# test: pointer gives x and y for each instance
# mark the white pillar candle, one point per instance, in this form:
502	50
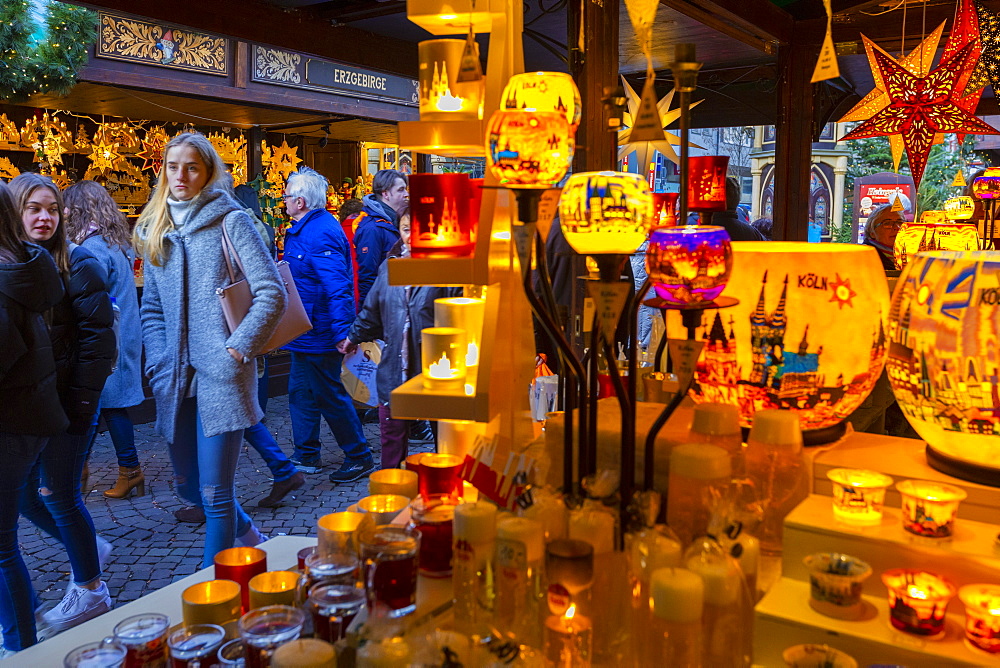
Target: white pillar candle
698	472
530	533
595	527
677	601
389	653
476	523
457	437
474	545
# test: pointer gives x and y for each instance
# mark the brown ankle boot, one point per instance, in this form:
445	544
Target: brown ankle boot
128	479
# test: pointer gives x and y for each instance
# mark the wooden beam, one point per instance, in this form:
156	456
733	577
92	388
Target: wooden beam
256	21
758	23
595	69
888	29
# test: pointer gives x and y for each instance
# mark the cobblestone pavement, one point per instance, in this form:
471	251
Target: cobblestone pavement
152	549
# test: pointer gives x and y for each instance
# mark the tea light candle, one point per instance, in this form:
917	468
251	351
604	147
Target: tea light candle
929	508
569	639
383	507
858	495
527	532
273	588
464	313
338	532
918	600
240	564
304	653
213	602
389	653
982	615
443	353
393	481
594	526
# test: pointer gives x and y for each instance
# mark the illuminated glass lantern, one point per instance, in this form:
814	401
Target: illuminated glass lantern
529	149
605	212
858	495
982	615
454	17
689	264
918	600
444	215
987	185
934	231
665	209
443	353
959	208
808	333
707	182
944	359
466	314
442	98
544	91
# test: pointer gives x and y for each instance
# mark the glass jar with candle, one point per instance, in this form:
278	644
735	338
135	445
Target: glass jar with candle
918	600
434	520
466	314
929	508
727	616
520	551
982	615
443	354
568	632
648	550
677	599
858	495
472	566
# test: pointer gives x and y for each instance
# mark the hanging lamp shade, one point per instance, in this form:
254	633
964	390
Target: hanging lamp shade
444	215
707	182
934	232
987	185
442	96
454	17
529	149
689	264
665	209
605	212
959	208
544	91
808	334
944	359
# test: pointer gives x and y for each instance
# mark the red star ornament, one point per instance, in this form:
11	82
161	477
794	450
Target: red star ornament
920	107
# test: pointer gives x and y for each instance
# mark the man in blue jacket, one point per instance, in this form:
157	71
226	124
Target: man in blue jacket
319	256
378	231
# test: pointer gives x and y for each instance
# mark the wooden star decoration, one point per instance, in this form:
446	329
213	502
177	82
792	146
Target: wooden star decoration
645	150
285	159
105	157
920	107
151	153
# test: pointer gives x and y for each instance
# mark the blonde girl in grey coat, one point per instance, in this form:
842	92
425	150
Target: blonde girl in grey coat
201	374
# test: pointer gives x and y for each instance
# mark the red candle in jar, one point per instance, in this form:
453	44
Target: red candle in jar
438	475
240	564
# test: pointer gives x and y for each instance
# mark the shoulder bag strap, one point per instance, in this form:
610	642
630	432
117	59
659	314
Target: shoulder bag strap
229	250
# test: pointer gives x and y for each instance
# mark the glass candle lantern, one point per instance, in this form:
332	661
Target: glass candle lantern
817	656
568	632
665	209
982	615
466	314
689	264
987	185
383	507
918	600
443	354
442	96
808	334
393	481
529	149
213	602
439	475
605	212
273	588
858	495
933	233
959	208
443	217
929	508
944	325
835	583
707	182
544	91
338	532
240	564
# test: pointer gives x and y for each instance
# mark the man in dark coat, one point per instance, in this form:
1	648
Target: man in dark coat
318	254
730	219
378	230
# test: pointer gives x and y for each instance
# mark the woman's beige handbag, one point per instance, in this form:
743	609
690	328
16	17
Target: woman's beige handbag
236	299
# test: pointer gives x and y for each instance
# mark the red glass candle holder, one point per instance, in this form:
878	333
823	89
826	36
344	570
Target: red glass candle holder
434	519
438	476
240	564
918	600
707	182
665	209
982	616
390	555
442	217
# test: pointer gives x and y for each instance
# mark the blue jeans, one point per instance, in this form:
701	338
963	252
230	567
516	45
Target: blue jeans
260	439
314	389
17	599
122	436
205	475
59	510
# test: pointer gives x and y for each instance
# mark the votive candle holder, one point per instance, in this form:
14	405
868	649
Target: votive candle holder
273	588
214	602
338	532
439	475
393	481
929	508
835	583
858	495
383	507
443	354
982	615
918	600
240	564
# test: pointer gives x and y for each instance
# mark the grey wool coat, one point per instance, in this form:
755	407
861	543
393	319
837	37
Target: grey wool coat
183	326
124	386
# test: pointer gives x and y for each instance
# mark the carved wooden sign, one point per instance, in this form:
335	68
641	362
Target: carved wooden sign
150	43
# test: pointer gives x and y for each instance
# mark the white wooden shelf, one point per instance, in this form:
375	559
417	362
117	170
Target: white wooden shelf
412	401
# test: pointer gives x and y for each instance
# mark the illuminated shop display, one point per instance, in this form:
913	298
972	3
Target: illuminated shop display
605	212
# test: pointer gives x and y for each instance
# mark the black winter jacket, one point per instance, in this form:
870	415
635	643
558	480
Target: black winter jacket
29	402
82	339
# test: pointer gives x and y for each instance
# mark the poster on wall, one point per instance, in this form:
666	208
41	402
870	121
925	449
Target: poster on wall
870	192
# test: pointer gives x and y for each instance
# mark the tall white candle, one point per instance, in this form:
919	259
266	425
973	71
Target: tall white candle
474	545
677	601
530	533
475	523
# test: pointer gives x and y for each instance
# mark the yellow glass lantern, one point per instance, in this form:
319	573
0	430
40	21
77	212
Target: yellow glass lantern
443	354
959	208
442	97
466	314
544	91
605	212
529	149
934	232
808	333
944	359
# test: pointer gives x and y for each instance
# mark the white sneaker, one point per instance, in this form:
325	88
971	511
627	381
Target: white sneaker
6	653
252	538
104	549
78	605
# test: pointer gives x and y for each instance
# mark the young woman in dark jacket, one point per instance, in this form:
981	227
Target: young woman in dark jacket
30	411
84	347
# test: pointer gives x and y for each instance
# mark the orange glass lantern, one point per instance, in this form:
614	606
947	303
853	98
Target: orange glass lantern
944	328
707	182
529	149
934	232
982	616
665	209
444	215
605	212
689	264
808	334
442	97
918	600
544	91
